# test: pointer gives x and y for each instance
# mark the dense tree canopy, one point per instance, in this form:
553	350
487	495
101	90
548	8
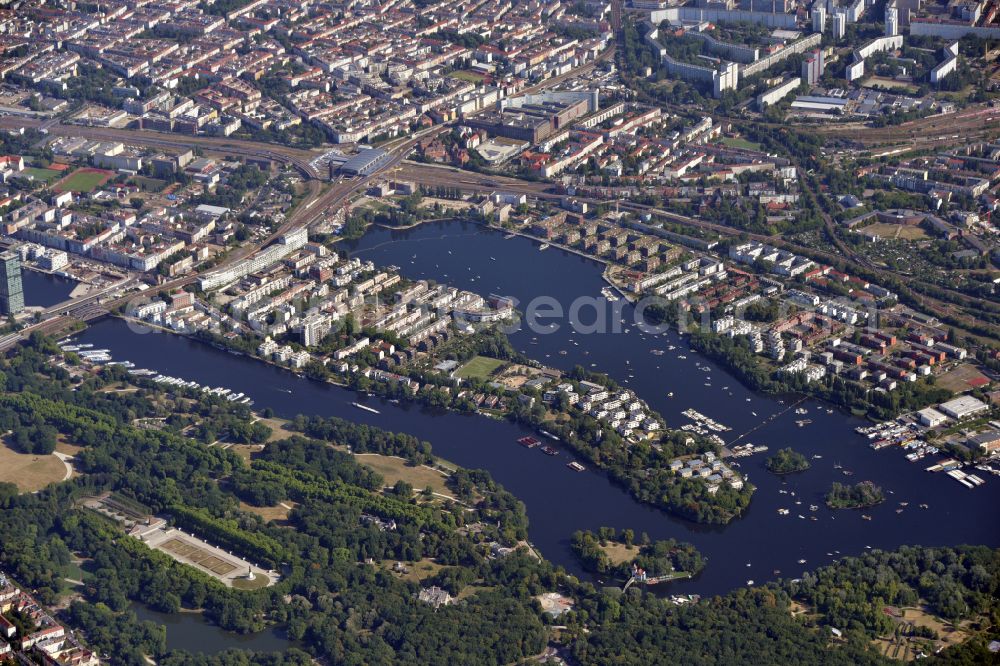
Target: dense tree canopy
339	596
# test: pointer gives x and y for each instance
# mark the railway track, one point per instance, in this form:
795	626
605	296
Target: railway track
478	182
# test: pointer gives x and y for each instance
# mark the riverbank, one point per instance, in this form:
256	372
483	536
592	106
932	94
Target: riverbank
560	500
221	344
44	289
751	372
645	472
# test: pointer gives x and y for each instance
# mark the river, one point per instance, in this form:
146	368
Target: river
559	500
43	289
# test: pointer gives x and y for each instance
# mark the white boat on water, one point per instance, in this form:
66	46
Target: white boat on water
366	408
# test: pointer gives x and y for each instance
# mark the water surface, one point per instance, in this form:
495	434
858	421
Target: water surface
559	500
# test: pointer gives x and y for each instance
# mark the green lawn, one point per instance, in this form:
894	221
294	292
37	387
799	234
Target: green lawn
45	175
72	570
479	367
877	82
375	205
83	181
465	75
734	142
149	184
259	581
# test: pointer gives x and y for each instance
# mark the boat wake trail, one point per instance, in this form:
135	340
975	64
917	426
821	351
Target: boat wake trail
411	240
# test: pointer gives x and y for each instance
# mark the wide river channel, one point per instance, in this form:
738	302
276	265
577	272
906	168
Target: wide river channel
559	500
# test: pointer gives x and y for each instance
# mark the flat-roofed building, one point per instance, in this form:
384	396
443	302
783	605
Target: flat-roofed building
931	417
366	162
985	442
963	406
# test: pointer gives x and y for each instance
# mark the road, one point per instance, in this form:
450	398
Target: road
471	181
317	202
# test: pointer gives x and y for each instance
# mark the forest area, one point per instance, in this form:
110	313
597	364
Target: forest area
338	600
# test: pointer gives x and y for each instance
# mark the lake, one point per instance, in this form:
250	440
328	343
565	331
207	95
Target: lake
190	631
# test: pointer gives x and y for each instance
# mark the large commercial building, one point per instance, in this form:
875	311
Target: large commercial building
725	78
931	417
819	17
314	328
891	20
743	53
11	290
535	117
856	69
518	126
985	442
963	406
947	29
694	14
947	66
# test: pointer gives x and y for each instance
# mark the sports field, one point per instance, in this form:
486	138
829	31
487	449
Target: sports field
466	75
895	231
479	367
962	378
735	142
84	180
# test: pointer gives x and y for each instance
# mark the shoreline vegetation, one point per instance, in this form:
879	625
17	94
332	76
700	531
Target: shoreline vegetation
735	356
787	461
620	554
642	469
350	549
861	495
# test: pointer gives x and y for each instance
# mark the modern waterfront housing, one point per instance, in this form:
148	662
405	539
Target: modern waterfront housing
287	244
